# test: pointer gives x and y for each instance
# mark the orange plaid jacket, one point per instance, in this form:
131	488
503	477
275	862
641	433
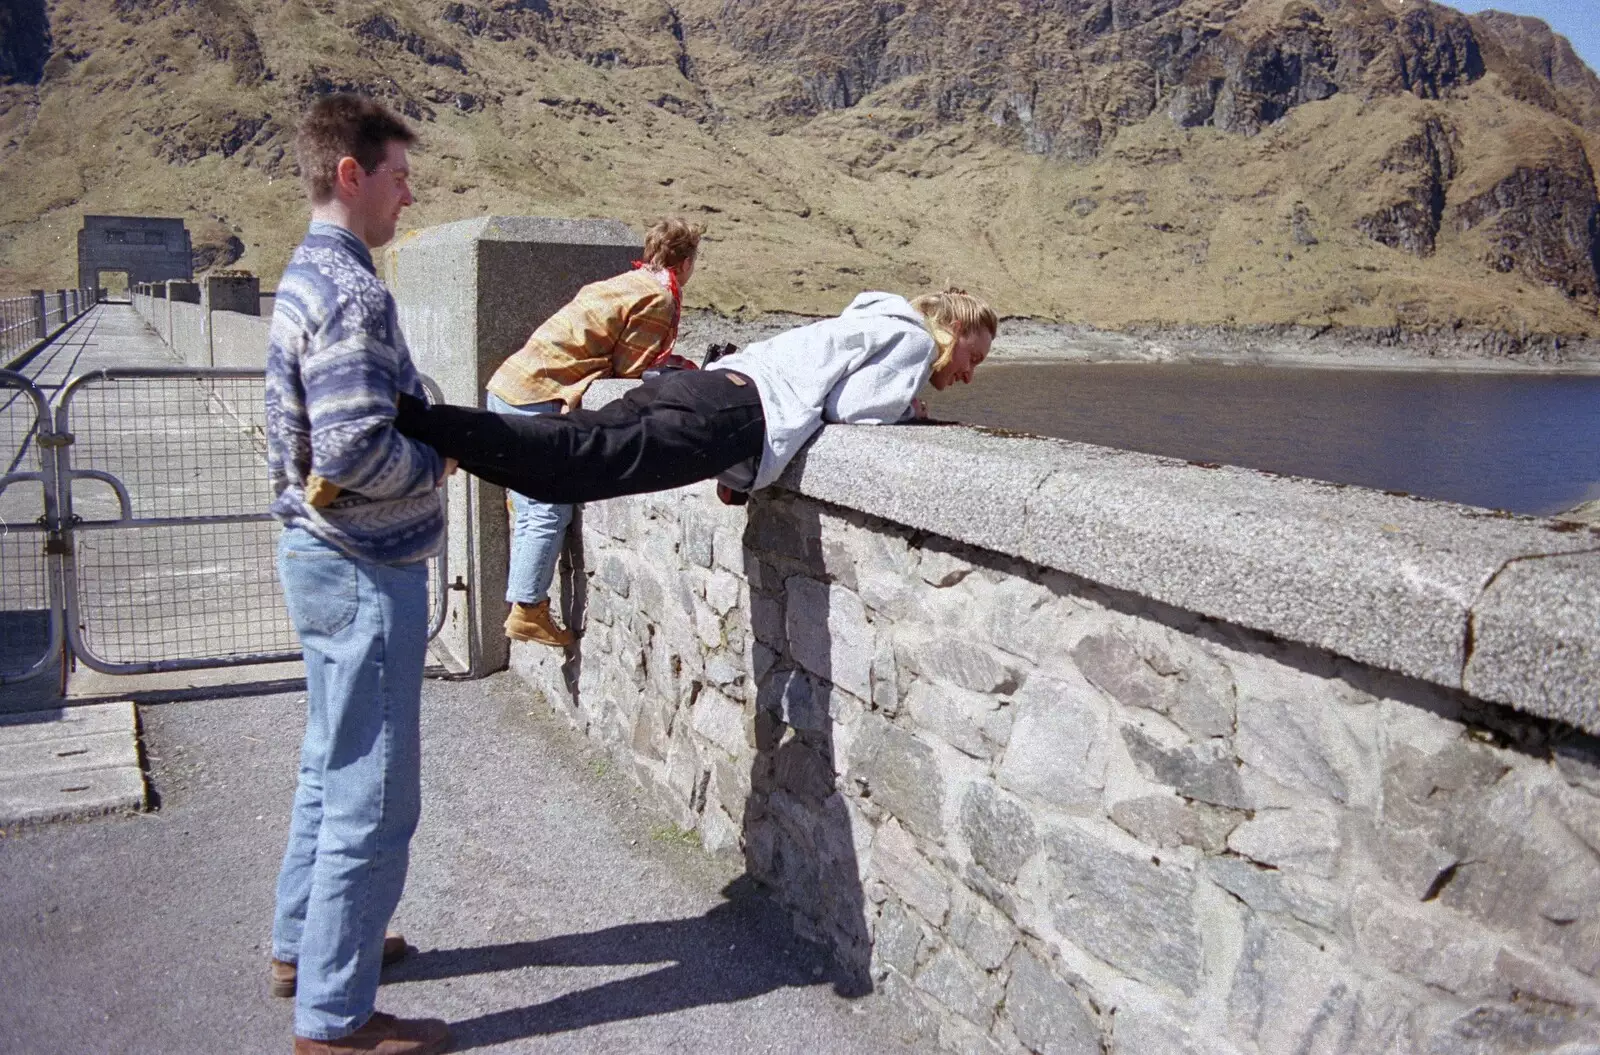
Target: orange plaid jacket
613	328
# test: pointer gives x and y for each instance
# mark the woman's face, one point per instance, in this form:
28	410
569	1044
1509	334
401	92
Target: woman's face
971	349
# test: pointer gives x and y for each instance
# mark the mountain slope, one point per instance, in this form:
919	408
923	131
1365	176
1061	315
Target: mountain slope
1109	161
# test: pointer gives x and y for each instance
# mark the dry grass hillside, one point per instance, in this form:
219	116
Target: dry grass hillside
1105	161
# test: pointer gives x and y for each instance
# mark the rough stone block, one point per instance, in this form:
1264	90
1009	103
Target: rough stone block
1578	757
1305	840
1193	689
900	774
1311	745
1057	751
973	723
718	832
722	722
898	939
1144	1025
980	930
963	664
960	1037
1269	890
897	863
1290	995
803	769
1495	1029
796	700
1526	871
1130	909
1044	1011
1000	832
953	981
723	591
1205	771
1027	620
829	635
885	678
1167	821
767	620
1425	790
1427	943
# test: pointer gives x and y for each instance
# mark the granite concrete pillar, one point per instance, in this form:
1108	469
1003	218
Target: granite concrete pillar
236	293
469	293
240	293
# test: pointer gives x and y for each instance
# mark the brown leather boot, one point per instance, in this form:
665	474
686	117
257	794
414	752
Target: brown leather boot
285	974
384	1035
533	622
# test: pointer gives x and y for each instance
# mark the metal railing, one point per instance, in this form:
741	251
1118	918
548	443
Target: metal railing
26	321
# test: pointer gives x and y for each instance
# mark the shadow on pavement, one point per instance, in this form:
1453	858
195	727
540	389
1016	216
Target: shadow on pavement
702	958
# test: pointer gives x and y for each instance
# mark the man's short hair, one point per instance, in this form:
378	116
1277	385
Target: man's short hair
671	241
341	126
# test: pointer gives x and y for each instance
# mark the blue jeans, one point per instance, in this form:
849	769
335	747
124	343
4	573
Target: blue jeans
537	528
364	630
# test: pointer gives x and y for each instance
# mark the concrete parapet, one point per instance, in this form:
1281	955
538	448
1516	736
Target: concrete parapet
184	292
469	294
1071	749
190	335
239	340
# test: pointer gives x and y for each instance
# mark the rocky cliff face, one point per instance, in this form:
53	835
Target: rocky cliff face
24	41
1363	161
1539	66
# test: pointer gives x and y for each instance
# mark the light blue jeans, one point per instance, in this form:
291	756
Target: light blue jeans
537	528
364	630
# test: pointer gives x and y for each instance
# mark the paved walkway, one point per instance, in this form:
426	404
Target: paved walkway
552	913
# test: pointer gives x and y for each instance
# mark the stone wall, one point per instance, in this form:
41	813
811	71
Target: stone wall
1045	812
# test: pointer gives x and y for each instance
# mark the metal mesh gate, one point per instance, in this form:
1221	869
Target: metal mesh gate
184	573
30	624
173	565
161	555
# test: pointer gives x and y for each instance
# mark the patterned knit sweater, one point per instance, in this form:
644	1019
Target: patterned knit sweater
336	361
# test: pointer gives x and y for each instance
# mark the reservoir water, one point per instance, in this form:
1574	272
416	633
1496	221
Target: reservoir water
1528	444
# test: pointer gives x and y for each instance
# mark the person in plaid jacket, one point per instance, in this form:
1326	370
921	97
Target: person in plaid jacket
618	327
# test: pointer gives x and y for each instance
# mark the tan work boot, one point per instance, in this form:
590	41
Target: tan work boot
533	622
384	1035
284	975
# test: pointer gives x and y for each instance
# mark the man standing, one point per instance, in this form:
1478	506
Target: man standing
361	514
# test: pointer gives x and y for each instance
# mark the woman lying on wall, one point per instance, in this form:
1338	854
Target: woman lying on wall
744	417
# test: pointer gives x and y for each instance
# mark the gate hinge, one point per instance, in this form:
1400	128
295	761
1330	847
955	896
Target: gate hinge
54	439
57	547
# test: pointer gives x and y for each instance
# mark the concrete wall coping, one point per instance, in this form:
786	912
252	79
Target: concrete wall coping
543	230
1506	608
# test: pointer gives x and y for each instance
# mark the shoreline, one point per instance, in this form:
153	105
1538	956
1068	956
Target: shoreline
1032	342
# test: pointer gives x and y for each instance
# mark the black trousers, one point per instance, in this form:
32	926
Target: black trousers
675	429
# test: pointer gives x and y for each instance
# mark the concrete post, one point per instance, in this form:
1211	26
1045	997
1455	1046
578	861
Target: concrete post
236	293
469	293
42	328
240	293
